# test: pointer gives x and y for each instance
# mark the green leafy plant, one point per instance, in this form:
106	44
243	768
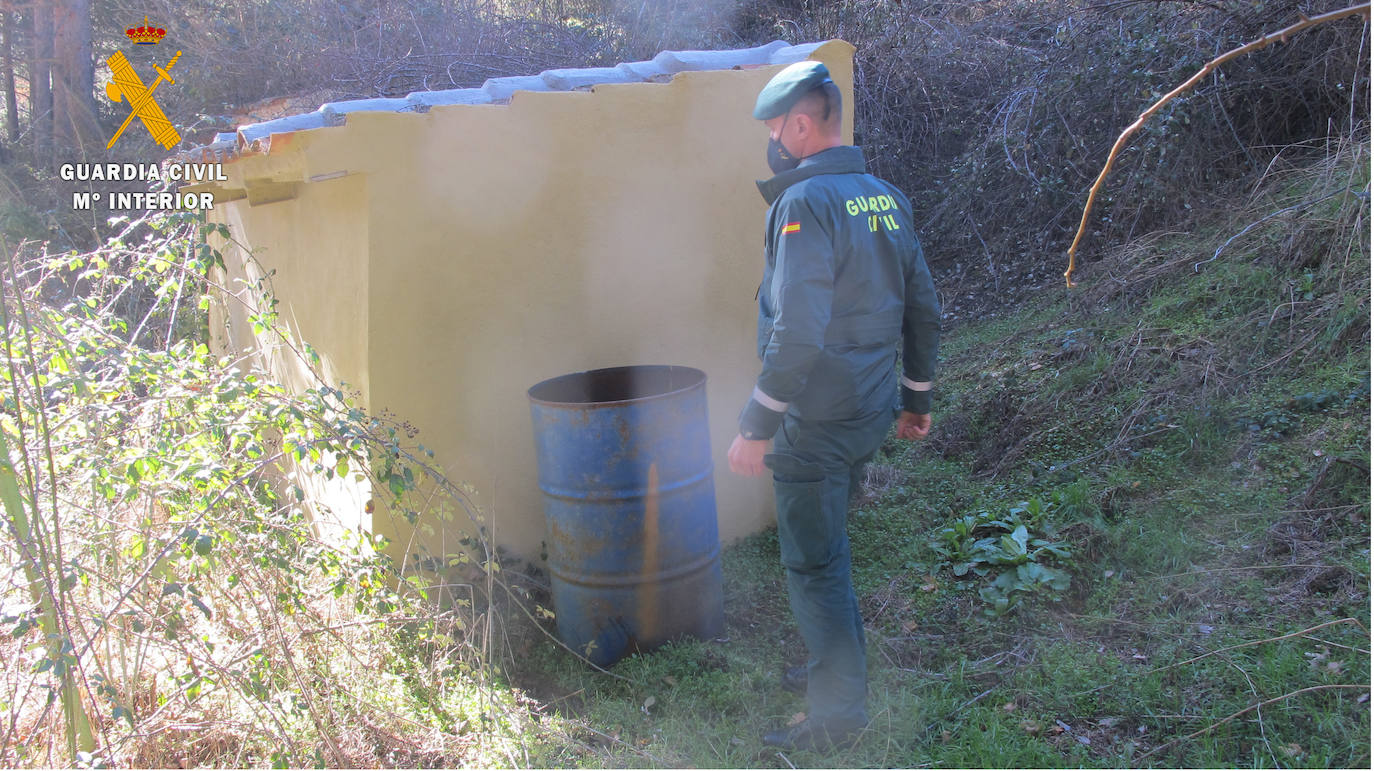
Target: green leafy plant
1001	547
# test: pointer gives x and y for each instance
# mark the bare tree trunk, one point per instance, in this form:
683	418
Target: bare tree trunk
7	73
73	75
40	88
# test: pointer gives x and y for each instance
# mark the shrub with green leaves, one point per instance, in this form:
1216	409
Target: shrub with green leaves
1002	548
164	569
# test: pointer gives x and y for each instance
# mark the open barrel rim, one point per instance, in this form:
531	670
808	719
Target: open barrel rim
698	380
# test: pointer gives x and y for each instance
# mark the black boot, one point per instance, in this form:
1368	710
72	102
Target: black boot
814	736
794	680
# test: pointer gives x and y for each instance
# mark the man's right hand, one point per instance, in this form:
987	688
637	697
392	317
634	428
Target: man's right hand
912	426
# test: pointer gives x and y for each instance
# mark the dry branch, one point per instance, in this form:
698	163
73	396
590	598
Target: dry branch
1255	706
1280	36
1250	644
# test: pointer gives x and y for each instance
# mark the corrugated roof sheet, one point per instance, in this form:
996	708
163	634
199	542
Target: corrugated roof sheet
254	137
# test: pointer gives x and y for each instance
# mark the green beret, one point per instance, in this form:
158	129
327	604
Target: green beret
787	87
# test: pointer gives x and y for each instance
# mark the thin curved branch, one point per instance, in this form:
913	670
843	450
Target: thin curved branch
1255	706
1280	36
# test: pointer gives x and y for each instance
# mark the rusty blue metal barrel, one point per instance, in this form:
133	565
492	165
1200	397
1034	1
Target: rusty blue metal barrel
624	461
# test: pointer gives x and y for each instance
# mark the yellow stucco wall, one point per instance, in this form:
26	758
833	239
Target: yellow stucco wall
311	252
473	251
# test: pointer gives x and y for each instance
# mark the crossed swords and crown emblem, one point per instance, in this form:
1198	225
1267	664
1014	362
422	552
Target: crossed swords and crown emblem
128	86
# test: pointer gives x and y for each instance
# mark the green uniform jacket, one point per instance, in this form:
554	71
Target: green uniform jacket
843	283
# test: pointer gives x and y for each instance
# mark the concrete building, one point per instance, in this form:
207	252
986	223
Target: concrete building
444	252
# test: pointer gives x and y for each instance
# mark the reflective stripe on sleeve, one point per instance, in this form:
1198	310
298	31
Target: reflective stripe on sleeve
768	401
923	385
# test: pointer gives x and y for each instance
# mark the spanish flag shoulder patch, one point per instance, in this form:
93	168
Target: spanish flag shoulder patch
791	227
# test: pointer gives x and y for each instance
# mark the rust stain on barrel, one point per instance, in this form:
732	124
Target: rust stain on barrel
648	595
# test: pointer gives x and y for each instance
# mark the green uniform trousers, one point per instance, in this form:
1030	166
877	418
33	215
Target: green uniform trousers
817	466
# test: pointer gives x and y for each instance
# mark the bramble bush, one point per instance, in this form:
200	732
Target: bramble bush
169	598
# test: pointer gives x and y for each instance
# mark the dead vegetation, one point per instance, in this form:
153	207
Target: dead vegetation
1288	291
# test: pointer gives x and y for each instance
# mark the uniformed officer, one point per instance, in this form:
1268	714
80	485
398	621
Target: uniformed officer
844	282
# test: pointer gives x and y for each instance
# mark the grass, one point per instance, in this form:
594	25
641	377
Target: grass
1215	500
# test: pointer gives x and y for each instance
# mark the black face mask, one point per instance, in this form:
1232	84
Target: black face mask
779	159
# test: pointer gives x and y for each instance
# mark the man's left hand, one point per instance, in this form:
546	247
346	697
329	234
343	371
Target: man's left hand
746	456
913	426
